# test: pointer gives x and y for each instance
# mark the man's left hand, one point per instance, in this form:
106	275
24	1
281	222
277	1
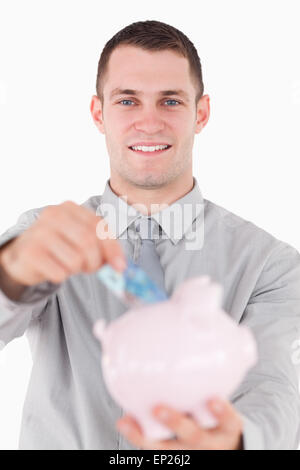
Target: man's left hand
189	434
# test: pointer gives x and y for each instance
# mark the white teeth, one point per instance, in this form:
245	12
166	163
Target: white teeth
150	149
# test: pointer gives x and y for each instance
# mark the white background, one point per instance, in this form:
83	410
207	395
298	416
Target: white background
246	159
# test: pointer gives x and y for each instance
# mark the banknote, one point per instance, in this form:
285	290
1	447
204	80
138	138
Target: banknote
133	286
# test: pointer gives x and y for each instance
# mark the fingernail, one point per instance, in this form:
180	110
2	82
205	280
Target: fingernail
119	263
217	406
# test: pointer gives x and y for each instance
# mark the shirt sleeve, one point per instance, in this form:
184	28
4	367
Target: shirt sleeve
16	315
268	399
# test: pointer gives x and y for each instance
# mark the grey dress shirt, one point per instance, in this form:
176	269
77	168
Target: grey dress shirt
67	405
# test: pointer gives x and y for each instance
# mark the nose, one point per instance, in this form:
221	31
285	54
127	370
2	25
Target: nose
149	121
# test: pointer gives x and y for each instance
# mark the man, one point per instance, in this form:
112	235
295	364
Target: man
149	93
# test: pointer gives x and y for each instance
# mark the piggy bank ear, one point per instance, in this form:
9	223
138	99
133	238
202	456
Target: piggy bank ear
199	294
183	291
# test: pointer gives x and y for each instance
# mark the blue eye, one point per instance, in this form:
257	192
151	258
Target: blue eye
175	101
125	100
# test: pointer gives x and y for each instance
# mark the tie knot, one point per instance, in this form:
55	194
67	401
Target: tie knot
147	227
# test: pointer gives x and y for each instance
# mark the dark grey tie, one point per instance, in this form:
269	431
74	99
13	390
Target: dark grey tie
148	258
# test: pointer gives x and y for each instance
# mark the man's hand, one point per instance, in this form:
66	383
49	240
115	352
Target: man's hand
66	239
226	436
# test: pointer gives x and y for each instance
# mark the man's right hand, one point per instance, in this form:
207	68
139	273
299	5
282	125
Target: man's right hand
63	241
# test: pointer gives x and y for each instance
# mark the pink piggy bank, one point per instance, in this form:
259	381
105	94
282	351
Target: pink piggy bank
179	352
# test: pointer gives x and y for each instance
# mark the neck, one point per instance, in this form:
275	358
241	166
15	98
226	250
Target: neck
144	198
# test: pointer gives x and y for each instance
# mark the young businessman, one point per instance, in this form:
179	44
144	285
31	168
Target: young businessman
149	105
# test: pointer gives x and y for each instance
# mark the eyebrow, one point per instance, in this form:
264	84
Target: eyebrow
127	91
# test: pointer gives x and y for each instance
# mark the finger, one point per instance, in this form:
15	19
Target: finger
69	226
133	432
129	427
173	444
110	248
50	270
183	426
72	211
229	420
81	213
65	254
81	233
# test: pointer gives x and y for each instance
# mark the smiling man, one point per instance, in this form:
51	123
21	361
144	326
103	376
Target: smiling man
149	106
149	99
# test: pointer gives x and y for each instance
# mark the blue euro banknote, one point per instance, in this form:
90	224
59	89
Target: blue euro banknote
133	286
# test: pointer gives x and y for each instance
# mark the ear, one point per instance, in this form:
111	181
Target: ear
203	112
97	113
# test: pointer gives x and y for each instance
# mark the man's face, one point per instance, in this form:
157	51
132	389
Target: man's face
149	116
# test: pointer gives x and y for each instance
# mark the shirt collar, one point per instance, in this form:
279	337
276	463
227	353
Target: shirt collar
175	220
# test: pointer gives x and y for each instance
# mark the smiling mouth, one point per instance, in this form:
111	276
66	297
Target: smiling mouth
150	153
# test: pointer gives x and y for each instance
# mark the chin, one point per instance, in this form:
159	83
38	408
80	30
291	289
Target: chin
150	181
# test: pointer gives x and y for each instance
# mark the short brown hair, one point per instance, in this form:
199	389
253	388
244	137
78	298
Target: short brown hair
152	36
